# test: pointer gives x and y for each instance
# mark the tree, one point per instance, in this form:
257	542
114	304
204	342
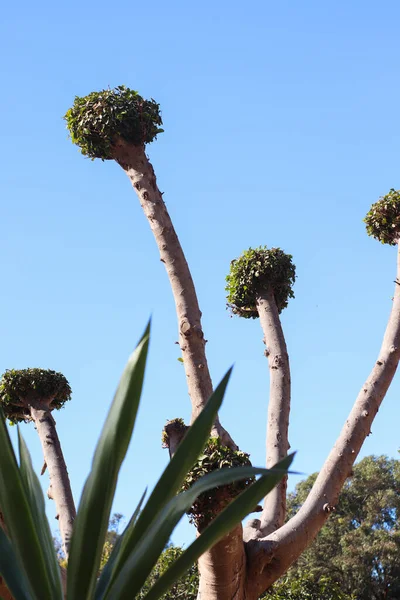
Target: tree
32	395
116	125
28	560
359	547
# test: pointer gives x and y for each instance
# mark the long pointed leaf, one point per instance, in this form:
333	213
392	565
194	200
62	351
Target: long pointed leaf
109	566
235	512
20	520
172	478
11	571
91	522
36	501
139	564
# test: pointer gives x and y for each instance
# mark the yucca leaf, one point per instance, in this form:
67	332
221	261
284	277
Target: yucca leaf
91	522
235	512
173	476
11	570
36	501
20	520
108	568
145	555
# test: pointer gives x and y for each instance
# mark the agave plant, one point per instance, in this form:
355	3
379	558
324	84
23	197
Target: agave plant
28	561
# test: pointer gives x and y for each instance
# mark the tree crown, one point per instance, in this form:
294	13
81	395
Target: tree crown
256	271
383	218
20	387
95	121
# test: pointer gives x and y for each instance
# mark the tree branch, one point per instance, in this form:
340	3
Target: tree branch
60	488
136	165
280	549
274	511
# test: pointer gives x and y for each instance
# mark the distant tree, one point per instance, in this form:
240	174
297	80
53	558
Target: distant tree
359	547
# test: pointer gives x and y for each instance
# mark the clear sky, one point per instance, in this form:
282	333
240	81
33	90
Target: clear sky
281	128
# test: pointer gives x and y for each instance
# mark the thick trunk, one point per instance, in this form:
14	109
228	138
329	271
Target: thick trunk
60	488
274	511
223	569
273	555
191	338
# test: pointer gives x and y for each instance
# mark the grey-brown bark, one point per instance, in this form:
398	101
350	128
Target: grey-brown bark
136	165
277	445
60	488
223	569
271	556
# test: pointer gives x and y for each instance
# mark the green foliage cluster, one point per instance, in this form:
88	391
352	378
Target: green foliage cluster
359	546
96	120
20	387
383	219
256	271
185	588
305	588
215	457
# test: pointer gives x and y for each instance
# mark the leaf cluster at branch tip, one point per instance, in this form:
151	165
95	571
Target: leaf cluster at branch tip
383	218
214	457
18	388
95	121
255	271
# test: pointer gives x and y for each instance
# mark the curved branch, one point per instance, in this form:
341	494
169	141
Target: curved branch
60	487
274	511
280	549
137	167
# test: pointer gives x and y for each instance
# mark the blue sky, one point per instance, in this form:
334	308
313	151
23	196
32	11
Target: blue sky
281	128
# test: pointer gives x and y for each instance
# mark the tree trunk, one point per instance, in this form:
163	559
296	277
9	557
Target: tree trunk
136	165
274	511
60	488
223	569
272	556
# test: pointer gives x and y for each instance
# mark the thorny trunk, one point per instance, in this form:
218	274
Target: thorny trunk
60	488
274	511
271	556
191	338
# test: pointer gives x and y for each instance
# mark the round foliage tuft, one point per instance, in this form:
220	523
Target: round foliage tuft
209	504
259	270
383	219
96	120
21	388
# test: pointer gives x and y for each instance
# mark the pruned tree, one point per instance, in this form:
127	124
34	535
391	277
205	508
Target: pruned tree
116	125
32	395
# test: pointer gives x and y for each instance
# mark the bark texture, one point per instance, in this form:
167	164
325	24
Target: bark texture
274	510
60	487
271	556
138	168
223	569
